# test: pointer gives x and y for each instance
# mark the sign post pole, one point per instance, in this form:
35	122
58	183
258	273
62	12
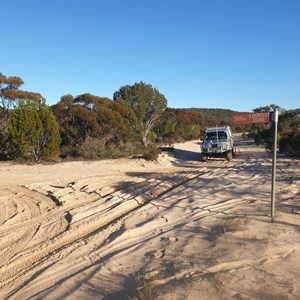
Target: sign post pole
275	122
259	118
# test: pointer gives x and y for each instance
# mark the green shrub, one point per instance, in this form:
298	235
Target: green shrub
290	143
151	152
34	131
92	149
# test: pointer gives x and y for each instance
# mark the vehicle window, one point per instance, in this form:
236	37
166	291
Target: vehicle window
222	135
216	135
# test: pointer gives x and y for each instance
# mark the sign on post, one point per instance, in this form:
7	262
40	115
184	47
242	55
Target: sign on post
250	118
262	118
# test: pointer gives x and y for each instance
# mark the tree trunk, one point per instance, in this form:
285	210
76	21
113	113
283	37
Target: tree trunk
145	140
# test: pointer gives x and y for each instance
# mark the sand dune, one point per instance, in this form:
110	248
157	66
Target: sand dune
192	230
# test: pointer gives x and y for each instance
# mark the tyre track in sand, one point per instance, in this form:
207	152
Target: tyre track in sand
107	210
119	204
162	193
83	209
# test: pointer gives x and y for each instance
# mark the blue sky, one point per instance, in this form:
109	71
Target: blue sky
238	54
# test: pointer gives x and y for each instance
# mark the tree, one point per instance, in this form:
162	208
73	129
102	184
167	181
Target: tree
34	131
67	99
179	124
87	120
9	97
10	93
147	103
76	122
289	132
269	108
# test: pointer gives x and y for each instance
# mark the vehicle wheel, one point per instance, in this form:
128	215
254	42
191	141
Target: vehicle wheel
229	155
233	152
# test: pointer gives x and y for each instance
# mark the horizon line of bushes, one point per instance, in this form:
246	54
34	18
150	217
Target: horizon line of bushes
135	122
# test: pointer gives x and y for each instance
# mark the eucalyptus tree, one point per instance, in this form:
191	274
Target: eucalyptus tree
10	95
91	117
146	102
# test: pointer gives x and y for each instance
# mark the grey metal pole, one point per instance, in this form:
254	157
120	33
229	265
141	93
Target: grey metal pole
275	122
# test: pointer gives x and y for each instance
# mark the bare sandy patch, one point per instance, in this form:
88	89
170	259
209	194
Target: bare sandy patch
190	230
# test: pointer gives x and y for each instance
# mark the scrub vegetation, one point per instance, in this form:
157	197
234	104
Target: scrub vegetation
137	121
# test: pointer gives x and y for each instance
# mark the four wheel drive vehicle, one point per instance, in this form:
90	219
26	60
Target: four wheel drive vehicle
217	142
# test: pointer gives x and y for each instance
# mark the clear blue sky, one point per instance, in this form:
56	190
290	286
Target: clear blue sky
219	54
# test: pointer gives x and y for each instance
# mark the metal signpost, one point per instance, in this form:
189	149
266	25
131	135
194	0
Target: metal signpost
263	117
275	122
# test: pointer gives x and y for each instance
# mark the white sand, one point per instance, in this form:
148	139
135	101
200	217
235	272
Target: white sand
94	230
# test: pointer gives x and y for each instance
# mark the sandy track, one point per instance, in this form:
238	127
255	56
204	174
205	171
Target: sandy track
85	230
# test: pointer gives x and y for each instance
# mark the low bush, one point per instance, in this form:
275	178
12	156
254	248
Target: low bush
92	149
290	143
151	152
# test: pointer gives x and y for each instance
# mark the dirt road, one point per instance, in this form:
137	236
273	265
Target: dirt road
179	227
